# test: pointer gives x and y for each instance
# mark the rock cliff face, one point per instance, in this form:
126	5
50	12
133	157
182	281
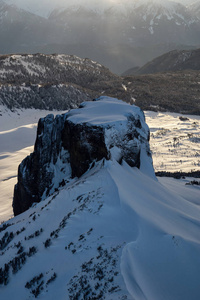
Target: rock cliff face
68	145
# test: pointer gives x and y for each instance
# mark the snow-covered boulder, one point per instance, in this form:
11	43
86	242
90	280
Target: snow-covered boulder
70	144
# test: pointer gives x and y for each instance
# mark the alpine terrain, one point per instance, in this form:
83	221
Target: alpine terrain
97	224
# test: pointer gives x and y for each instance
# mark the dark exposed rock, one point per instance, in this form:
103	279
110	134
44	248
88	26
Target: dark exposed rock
181	118
178	175
85	143
36	171
67	146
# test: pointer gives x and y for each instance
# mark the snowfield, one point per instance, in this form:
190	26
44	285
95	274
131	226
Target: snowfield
175	141
116	232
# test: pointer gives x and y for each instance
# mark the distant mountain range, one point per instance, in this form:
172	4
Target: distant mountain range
119	36
45	7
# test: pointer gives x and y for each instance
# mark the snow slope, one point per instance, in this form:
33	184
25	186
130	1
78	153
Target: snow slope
115	233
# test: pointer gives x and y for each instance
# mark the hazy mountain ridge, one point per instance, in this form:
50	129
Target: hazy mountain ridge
46	7
176	60
195	8
140	22
21	29
117	35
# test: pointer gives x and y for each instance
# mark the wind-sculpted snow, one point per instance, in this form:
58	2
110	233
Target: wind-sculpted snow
67	146
113	233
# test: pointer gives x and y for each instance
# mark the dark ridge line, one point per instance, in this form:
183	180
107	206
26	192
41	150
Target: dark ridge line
178	175
9	178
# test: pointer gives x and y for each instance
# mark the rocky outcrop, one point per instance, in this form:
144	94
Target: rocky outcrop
68	145
36	171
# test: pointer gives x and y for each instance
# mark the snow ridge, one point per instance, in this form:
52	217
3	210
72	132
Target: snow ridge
115	232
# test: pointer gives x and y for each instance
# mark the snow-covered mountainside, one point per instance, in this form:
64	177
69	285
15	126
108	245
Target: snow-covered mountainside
20	27
12	13
37	68
195	8
143	21
45	7
49	81
113	233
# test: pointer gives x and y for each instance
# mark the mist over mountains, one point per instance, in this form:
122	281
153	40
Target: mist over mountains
45	7
118	35
173	61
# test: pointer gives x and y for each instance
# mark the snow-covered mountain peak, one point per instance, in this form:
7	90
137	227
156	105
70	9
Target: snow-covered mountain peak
159	9
195	8
166	3
46	7
6	9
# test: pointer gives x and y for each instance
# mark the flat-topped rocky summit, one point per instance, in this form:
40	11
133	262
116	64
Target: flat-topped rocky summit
68	145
